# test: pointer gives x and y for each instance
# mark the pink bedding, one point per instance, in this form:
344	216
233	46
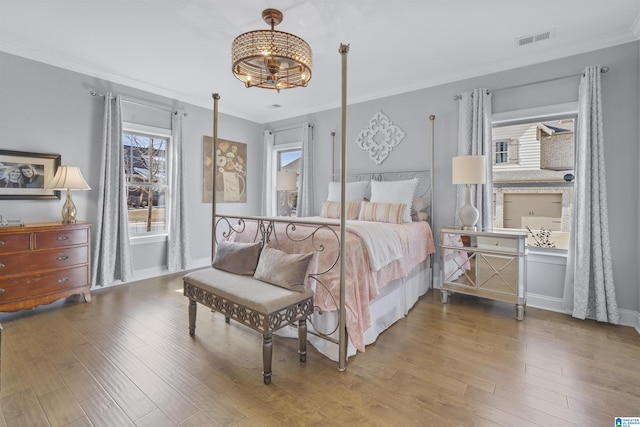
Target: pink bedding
362	284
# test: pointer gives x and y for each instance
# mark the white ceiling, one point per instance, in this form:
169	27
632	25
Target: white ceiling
182	48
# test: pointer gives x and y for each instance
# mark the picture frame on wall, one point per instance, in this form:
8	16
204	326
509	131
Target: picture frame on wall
25	175
231	171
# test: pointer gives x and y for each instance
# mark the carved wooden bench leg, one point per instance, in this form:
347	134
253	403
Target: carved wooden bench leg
302	339
267	350
193	309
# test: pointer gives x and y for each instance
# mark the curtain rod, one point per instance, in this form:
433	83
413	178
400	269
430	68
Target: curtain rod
130	101
291	128
602	70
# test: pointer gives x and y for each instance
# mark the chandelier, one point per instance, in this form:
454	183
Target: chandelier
271	59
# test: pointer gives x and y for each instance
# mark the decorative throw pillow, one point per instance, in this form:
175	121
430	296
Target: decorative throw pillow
419	209
282	269
354	192
332	209
395	192
235	257
382	212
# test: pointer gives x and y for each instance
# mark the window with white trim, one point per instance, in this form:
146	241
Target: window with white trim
147	180
287	158
533	173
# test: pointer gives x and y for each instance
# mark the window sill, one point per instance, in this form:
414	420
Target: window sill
144	240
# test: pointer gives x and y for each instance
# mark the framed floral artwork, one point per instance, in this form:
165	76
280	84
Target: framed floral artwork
230	169
25	175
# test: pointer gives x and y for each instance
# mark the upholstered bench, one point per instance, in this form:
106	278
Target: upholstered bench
262	306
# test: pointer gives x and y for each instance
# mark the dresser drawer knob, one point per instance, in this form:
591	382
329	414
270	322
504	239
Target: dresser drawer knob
2	243
62	257
1	291
1	265
63	280
61	238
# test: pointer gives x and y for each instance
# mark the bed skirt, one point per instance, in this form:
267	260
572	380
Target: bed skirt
392	304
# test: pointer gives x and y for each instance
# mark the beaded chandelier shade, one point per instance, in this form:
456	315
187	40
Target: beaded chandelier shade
271	59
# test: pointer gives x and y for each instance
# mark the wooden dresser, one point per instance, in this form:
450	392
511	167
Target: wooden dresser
43	262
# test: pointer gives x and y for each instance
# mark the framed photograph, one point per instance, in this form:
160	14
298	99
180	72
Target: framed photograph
25	175
231	171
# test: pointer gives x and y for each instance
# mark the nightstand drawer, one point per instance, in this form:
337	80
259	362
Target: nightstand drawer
29	286
14	243
497	243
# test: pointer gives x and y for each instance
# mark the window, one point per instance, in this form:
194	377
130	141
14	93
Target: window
533	175
288	159
501	152
145	163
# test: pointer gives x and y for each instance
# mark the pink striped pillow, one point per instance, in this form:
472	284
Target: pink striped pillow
382	212
332	209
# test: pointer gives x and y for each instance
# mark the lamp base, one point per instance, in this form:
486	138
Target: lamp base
69	210
468	214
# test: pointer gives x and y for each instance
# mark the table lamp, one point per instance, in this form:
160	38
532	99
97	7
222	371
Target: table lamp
68	178
286	181
467	170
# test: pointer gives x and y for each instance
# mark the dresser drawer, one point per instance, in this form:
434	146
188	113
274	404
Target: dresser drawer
43	260
35	285
14	242
60	238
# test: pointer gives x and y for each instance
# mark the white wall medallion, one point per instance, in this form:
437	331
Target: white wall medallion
379	137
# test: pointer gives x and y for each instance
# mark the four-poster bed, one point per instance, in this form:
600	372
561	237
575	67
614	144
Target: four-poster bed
356	295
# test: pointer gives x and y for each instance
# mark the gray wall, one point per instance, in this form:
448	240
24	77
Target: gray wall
46	109
410	111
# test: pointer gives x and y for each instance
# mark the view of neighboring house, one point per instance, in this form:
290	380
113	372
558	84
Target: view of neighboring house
533	177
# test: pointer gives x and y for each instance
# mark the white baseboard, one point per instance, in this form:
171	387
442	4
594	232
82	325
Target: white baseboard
627	317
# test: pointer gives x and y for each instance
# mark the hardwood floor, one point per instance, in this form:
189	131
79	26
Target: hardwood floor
127	359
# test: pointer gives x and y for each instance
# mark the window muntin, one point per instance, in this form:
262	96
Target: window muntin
146	175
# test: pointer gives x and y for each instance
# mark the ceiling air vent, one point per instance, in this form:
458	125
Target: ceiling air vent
545	35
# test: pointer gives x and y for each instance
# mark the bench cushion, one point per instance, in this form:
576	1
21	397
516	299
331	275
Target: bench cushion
245	290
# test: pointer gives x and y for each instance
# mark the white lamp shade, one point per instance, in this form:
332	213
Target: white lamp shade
469	170
68	178
286	181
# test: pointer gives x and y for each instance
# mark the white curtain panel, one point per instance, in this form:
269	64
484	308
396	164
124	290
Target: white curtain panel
112	255
304	206
269	203
588	289
474	138
178	243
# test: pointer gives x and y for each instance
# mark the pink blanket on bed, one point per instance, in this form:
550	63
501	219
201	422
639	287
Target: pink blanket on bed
362	284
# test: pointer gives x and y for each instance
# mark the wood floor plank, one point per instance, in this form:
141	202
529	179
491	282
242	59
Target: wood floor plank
173	405
121	389
60	407
104	412
22	409
156	418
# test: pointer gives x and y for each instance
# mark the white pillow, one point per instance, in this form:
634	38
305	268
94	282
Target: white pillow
395	192
355	191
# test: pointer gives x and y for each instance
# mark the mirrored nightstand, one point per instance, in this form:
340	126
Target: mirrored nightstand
490	264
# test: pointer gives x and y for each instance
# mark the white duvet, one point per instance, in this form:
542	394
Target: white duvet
382	242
